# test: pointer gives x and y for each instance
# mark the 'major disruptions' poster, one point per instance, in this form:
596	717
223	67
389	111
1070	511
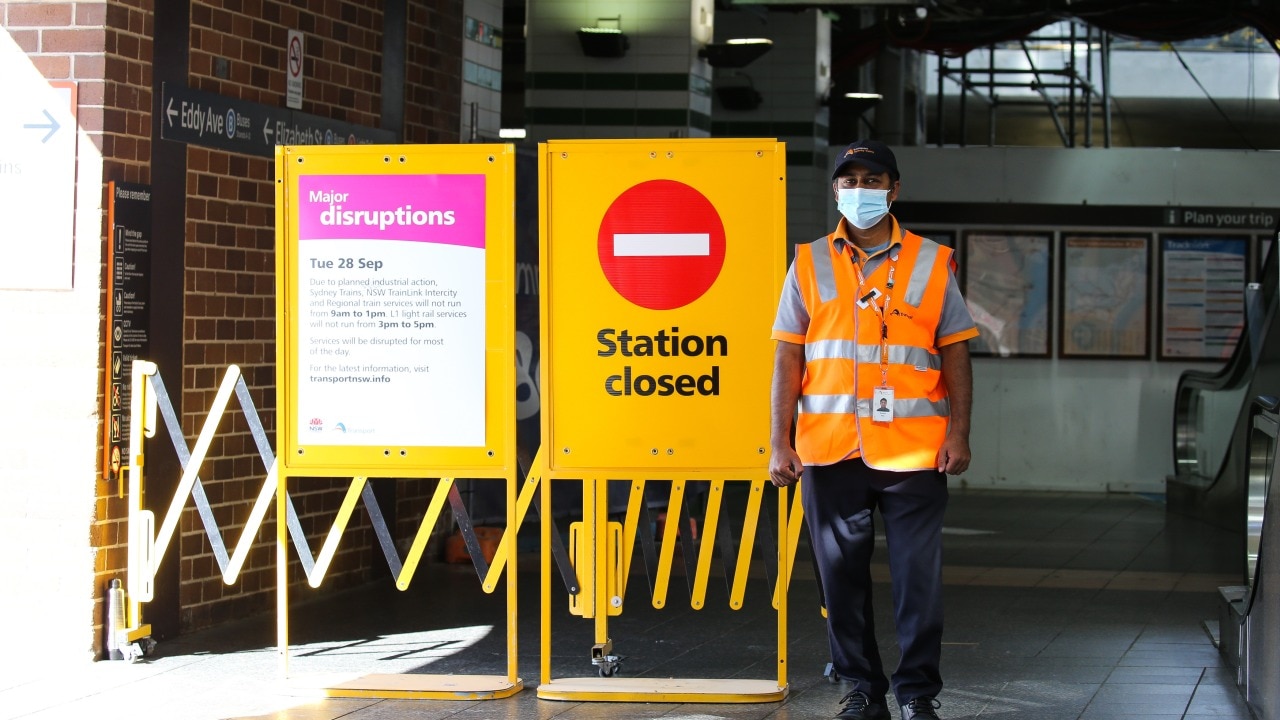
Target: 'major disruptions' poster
391	310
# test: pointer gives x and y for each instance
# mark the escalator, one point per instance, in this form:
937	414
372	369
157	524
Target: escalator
1225	430
1212	411
1249	631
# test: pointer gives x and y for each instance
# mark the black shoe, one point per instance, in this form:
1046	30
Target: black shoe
857	706
921	708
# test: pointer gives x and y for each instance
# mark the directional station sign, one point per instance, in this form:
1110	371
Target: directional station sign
211	120
662	263
37	175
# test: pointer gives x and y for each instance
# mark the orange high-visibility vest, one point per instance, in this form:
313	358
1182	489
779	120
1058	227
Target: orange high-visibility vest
843	349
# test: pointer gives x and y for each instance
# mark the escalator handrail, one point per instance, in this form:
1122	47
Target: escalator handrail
1269	406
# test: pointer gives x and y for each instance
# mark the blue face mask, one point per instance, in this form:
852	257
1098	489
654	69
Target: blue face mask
862	207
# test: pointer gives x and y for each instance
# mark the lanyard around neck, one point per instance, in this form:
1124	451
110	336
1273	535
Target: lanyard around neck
881	310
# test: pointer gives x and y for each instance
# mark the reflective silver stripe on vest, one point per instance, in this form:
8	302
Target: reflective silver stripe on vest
913	408
918	358
829	350
820	250
919	281
829	404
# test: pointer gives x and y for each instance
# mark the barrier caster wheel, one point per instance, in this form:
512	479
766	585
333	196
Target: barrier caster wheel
608	666
137	650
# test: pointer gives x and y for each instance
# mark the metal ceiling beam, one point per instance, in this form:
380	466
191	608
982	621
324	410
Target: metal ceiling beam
1072	81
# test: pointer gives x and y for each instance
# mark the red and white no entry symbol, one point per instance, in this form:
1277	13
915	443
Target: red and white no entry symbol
295	56
661	244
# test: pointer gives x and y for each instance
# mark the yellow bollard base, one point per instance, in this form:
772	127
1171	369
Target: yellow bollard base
680	690
413	685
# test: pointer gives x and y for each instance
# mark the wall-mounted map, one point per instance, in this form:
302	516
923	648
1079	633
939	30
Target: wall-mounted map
1106	282
1007	286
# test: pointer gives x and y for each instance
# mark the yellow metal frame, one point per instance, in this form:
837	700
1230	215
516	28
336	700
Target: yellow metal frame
413	685
140	575
585	365
147	546
597	575
497	164
744	183
496	460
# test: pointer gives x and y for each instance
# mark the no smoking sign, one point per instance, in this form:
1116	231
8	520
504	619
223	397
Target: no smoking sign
294	54
661	244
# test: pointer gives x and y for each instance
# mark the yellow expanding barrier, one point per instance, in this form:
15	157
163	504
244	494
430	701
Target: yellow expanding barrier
600	564
407	685
147	546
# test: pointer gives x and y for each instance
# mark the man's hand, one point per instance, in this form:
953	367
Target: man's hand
785	467
788	366
957	373
953	456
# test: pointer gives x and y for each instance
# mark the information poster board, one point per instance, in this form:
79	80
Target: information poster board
128	310
1106	283
1202	296
662	264
397	307
1007	286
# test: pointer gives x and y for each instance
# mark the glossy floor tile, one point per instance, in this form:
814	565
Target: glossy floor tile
1059	605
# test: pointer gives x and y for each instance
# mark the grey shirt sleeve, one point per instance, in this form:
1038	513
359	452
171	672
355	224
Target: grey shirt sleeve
793	316
955	313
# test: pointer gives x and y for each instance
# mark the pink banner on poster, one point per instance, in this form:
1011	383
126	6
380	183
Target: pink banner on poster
445	209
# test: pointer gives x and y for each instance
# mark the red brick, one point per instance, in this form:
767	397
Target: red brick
45	14
129	46
90	118
113	121
73	41
91	92
117	16
93	14
53	67
27	40
89	67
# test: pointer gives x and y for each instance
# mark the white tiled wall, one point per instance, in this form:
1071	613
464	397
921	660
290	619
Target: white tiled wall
664	37
792	77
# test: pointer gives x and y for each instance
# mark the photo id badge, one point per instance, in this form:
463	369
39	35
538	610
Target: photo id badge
865	301
882	405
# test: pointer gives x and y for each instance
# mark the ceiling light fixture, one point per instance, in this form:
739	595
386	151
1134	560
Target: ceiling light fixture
735	53
604	41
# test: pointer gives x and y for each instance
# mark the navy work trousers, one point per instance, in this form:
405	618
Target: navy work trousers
838	504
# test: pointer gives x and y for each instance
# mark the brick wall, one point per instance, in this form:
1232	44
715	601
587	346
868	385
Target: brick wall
433	73
230	263
67	564
228	300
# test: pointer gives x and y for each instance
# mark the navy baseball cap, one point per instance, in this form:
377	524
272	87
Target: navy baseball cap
871	154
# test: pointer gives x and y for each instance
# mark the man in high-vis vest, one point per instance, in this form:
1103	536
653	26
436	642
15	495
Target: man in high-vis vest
872	352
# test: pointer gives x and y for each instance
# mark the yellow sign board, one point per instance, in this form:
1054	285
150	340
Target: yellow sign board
662	265
395	309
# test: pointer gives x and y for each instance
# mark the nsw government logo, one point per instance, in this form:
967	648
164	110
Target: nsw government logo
317	425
